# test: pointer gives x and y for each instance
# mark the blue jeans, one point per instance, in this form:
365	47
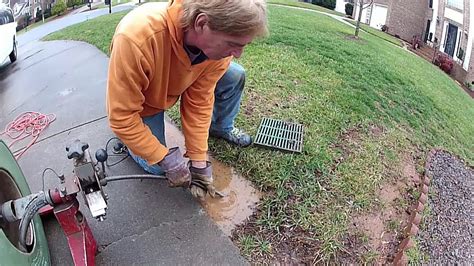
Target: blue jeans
228	94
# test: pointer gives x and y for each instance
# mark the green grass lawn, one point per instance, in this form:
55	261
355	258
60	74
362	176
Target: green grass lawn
365	106
296	3
376	32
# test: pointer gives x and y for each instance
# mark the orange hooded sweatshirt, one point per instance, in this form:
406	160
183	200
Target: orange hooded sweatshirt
149	70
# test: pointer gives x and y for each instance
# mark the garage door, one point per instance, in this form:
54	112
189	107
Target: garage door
379	16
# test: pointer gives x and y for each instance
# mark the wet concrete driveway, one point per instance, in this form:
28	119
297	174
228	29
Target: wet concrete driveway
147	222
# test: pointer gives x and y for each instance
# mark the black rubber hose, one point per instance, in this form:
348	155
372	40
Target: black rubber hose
33	207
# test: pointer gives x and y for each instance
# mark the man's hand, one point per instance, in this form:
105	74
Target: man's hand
176	170
201	180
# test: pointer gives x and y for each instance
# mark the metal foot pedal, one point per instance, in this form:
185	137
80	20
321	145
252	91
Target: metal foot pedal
281	135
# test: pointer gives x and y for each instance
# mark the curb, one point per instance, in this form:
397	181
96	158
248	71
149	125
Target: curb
416	211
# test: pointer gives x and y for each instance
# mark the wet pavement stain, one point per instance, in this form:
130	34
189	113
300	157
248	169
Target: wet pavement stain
67	91
241	197
240	201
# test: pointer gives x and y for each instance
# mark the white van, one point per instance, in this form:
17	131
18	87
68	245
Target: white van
7	34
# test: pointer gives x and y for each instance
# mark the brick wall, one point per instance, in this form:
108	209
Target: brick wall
408	18
458	73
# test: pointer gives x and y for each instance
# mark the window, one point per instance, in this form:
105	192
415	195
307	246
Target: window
458	4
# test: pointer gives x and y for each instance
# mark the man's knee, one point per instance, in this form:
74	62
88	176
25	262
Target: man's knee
236	72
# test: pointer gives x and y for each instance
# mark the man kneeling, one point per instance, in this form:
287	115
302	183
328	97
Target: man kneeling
183	51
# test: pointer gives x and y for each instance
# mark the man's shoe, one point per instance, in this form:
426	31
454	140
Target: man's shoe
235	136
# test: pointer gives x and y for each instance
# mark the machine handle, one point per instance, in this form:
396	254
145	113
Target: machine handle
76	149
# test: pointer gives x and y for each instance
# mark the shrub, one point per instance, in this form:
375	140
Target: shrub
47	13
74	3
39	15
58	8
469	85
349	9
331	4
444	62
21	22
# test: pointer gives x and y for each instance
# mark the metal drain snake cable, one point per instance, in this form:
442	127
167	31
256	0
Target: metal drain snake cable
104	182
131	177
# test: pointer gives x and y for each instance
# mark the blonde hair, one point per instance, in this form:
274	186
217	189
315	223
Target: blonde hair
233	17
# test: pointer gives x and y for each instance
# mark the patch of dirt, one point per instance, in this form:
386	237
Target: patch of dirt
372	237
376	130
351	37
375	236
409	170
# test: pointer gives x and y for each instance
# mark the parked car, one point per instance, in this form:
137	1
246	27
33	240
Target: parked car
8	43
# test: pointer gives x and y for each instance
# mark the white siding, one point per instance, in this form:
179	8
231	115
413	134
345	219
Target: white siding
443	37
454	15
341	6
434	19
379	16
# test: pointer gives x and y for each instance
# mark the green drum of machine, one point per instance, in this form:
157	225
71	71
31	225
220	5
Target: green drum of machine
13	185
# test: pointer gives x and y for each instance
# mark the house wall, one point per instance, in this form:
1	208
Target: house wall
459	73
463	70
408	18
366	11
405	18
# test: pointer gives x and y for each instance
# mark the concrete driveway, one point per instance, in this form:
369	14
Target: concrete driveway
147	222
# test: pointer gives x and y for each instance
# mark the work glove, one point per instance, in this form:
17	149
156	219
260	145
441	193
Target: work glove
175	168
201	181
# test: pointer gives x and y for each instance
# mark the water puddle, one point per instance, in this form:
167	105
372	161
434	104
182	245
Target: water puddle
241	199
239	203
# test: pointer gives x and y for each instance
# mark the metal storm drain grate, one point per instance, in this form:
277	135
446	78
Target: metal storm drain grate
280	135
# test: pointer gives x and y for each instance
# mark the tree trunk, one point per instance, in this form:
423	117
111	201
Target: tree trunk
42	9
359	17
32	9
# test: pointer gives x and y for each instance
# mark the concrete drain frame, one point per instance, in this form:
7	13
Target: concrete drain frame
281	135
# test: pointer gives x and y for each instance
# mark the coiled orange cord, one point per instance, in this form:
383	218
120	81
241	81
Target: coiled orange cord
28	124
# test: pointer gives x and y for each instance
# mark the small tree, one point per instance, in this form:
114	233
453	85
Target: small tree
363	4
59	8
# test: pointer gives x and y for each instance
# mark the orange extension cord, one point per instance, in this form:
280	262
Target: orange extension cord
28	124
